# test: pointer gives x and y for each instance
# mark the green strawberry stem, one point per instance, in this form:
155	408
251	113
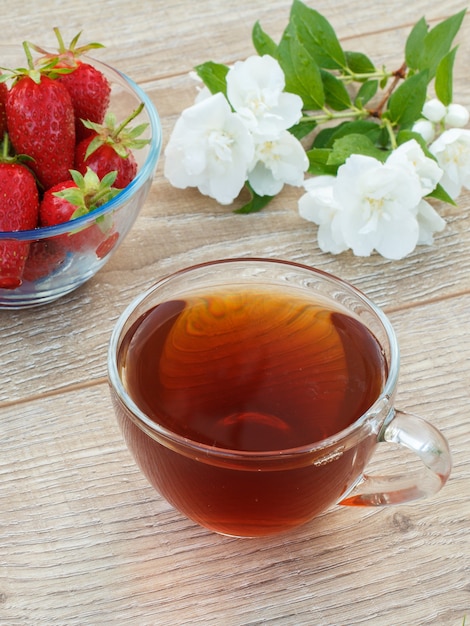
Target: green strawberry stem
128	120
120	137
72	48
5	148
32	72
89	191
8	155
65	54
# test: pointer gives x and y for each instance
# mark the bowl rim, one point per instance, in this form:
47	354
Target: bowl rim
144	172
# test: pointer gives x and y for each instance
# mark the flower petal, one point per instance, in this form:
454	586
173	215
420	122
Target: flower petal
277	162
429	222
452	151
210	148
255	90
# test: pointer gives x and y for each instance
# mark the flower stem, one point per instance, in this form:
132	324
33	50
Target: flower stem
364	76
327	116
398	75
389	128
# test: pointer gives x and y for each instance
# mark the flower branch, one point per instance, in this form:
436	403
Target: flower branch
377	145
398	75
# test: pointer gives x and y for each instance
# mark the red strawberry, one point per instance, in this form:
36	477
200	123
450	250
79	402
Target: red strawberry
19	204
41	124
107	245
110	148
71	199
44	257
3	114
89	88
90	93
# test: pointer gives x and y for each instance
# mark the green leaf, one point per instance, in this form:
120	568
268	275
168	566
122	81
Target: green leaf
318	162
302	129
443	83
301	70
359	63
213	75
366	92
437	43
317	34
406	103
336	94
255	204
354	144
406	135
439	193
262	42
327	136
415	43
383	82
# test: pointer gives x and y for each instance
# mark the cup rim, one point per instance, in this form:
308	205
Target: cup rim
159	432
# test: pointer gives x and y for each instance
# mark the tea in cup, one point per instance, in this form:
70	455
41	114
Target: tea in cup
252	394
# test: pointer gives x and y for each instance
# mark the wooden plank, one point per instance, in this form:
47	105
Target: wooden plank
86	540
57	346
154	39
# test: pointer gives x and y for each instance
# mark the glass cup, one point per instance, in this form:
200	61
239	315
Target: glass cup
268	482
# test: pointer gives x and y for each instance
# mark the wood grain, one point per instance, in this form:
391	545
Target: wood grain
88	541
85	540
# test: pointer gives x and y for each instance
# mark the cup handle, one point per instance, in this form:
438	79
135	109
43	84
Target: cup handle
423	439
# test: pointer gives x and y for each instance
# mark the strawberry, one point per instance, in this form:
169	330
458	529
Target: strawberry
88	87
41	123
71	199
105	247
3	114
45	256
19	203
90	93
110	148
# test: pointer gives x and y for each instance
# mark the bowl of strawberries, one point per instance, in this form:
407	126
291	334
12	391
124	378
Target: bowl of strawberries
80	142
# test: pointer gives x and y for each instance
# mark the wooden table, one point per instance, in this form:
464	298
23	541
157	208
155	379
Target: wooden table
84	538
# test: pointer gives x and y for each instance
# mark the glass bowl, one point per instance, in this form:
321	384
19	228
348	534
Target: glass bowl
63	257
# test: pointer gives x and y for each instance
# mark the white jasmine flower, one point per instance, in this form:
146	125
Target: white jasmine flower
434	110
255	89
457	116
452	151
426	129
203	92
277	162
380	203
210	148
411	156
318	205
371	205
429	222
